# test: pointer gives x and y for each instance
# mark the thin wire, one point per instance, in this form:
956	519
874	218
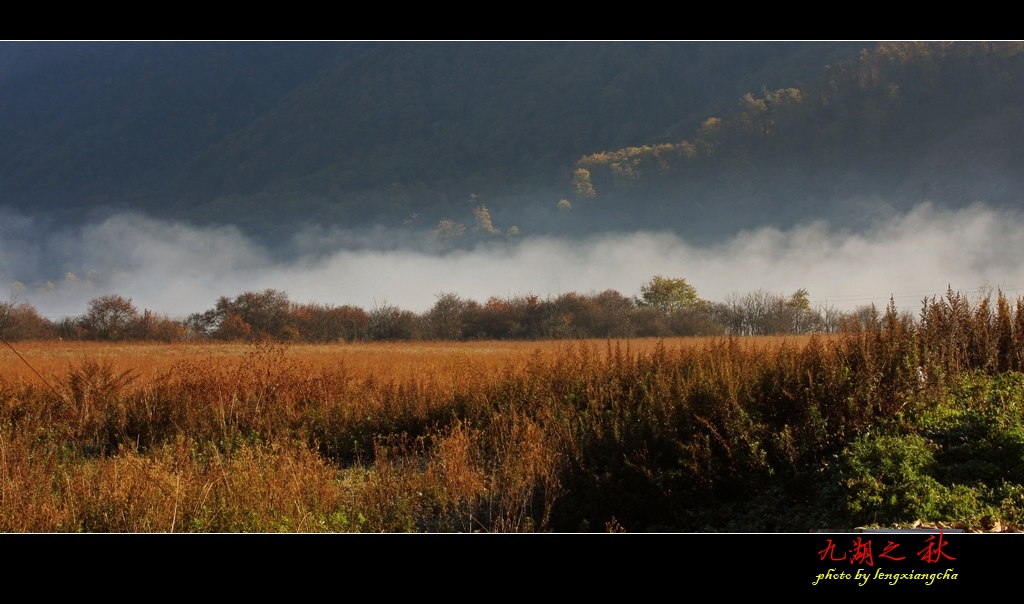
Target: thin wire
59	395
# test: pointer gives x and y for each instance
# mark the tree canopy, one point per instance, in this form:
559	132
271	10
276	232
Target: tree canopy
668	295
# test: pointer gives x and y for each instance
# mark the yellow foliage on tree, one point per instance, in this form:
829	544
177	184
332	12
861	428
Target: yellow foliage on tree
581	182
669	295
448	231
483	221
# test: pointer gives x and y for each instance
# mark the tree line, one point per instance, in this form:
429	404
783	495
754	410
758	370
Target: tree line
665	307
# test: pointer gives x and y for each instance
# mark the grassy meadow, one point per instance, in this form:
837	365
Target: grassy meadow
897	422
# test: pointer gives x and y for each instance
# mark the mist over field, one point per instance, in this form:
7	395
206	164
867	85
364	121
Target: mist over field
174	268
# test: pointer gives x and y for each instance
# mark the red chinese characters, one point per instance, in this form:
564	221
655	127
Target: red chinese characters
861	551
933	552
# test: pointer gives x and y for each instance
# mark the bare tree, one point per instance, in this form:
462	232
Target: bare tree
110	317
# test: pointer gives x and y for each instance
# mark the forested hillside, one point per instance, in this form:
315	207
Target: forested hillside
700	138
906	122
270	135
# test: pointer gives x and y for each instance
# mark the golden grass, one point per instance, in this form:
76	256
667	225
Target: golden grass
436	436
390	360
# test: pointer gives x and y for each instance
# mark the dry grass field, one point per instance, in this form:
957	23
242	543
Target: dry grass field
255	437
389	360
691	434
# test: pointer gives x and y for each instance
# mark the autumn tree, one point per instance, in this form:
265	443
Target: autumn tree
448	233
323	323
669	295
483	221
447	319
251	314
268	312
799	314
20	321
155	326
110	317
581	183
387	323
613	320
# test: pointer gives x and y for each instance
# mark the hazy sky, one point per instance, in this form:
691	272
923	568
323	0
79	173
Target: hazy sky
179	269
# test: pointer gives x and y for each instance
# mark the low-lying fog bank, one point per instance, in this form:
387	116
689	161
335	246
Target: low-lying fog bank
179	269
